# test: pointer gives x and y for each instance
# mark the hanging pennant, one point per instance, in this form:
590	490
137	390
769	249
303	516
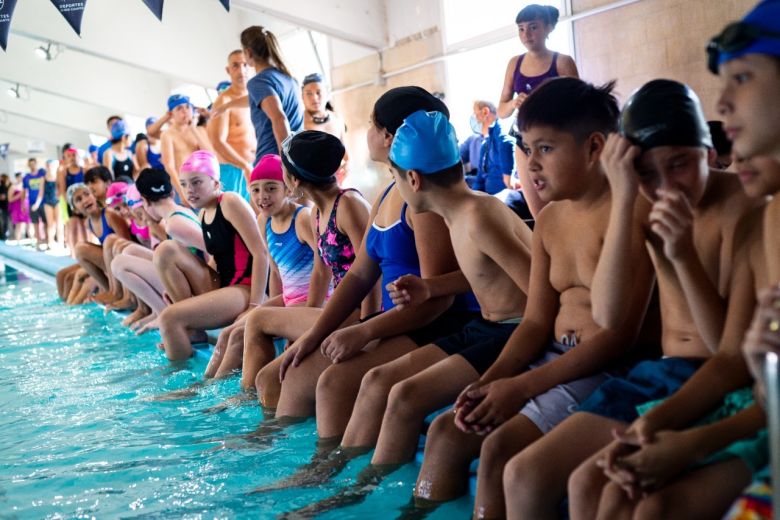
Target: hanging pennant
6	12
225	4
72	11
156	6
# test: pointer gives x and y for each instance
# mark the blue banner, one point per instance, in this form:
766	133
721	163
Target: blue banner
6	12
156	6
72	10
226	4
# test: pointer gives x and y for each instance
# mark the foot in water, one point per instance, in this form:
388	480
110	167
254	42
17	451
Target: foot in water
365	484
134	317
196	337
325	464
102	298
123	304
182	393
148	324
237	400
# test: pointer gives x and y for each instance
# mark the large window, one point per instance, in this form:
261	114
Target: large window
481	37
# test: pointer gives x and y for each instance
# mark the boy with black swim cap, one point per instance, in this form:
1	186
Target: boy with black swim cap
660	153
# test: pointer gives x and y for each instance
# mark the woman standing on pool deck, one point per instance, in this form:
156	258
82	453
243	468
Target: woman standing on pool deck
233	239
529	70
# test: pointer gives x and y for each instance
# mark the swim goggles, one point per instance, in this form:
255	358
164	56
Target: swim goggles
734	38
303	174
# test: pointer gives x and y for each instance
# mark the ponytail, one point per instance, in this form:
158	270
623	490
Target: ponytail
264	46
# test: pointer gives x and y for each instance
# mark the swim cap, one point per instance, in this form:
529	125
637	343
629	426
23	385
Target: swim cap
223	85
133	196
314	77
115	194
397	104
757	33
201	161
92	148
72	189
426	143
312	156
150	121
269	168
154	184
665	113
73	150
118	130
176	100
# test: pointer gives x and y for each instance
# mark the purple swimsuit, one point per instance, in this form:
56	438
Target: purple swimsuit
522	83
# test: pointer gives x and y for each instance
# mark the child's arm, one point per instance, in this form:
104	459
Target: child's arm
168	158
155	129
118	224
772	240
242	218
185	231
275	286
410	290
320	275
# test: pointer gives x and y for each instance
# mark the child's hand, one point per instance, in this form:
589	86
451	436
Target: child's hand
501	400
345	343
407	291
672	219
302	347
618	160
763	336
519	99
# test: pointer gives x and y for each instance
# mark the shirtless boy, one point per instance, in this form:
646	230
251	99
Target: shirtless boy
231	132
181	139
689	233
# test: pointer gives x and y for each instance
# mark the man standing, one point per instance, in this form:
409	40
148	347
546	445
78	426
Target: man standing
231	131
33	192
180	139
495	162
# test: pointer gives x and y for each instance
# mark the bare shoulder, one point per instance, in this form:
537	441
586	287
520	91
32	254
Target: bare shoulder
353	199
232	203
485	217
750	226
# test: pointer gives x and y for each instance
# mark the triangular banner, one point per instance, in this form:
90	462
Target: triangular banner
156	6
226	4
6	12
72	11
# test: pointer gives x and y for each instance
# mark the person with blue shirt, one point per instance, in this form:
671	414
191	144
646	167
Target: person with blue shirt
495	160
274	101
105	146
33	190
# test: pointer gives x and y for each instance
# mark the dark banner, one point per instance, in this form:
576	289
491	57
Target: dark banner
6	12
72	11
226	4
156	7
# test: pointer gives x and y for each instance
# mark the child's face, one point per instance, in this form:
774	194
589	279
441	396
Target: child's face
138	215
84	202
123	210
182	114
533	34
200	189
312	97
269	196
760	176
98	188
748	104
673	168
379	141
556	162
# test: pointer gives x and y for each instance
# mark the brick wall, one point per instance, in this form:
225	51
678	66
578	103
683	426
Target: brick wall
653	39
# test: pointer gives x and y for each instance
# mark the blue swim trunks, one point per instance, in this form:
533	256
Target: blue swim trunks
232	179
619	397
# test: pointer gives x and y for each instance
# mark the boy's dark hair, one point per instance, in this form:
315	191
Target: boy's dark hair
98	173
111	119
545	13
443	178
571	105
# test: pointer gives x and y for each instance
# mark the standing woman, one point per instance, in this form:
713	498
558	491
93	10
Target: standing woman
529	70
273	93
50	203
319	115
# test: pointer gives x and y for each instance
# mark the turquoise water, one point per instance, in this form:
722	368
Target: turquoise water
80	437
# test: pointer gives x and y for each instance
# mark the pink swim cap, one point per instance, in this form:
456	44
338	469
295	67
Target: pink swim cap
133	196
115	194
269	168
202	161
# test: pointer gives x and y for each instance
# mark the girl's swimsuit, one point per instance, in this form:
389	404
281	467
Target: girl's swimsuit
523	83
50	193
107	230
336	250
122	168
194	250
293	258
154	159
224	243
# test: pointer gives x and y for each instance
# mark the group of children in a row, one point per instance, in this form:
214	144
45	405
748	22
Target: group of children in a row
435	294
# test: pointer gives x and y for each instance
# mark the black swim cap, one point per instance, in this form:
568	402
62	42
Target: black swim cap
665	113
313	156
154	184
397	104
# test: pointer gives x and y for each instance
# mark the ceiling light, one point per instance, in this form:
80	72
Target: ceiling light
47	52
14	92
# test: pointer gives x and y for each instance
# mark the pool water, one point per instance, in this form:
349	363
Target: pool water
80	437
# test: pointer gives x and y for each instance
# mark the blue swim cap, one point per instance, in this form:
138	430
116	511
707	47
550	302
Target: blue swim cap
118	130
425	142
150	121
93	148
223	85
176	100
765	19
314	77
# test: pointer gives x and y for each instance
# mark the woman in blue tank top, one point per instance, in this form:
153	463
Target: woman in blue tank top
526	72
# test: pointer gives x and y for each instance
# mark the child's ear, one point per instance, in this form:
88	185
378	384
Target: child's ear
596	143
415	179
388	139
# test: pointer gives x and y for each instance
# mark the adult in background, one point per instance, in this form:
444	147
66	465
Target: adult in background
273	93
33	194
231	131
526	72
493	161
319	115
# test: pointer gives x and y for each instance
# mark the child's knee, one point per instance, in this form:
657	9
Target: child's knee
651	507
404	398
497	448
165	253
585	480
334	380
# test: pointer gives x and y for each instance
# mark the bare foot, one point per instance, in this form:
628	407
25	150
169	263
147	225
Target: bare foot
121	304
147	325
134	317
102	298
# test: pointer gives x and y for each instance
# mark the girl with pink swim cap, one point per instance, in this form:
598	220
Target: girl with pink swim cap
298	275
205	298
